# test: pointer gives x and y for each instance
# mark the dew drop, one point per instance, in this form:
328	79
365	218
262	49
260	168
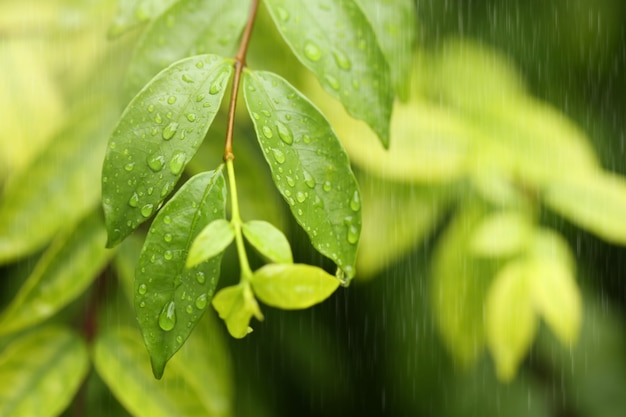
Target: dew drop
267	132
201	302
168	255
256	115
199	98
129	166
284	133
189	309
167	220
186	78
290	181
312	51
158	119
134	200
142	289
279	156
146	211
151	108
177	162
142	304
167	317
306	139
332	81
300	196
308	179
327	186
266	113
218	84
355	203
171	100
179	339
167	237
155	162
342	60
191	117
353	234
199	64
200	277
166	189
170	130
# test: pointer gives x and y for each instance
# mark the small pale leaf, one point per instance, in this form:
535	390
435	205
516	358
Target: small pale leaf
268	240
158	133
132	13
309	166
210	242
293	286
236	306
502	234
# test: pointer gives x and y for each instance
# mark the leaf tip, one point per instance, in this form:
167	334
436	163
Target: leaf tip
158	367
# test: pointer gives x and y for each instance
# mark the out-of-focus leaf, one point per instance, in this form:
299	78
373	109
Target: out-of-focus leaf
504	233
132	13
64	271
268	240
293	286
189	27
210	242
396	218
158	133
58	187
309	166
459	285
236	306
595	201
170	298
510	321
198	382
125	263
394	22
337	43
41	372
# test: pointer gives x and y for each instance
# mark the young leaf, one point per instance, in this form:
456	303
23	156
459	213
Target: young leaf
189	27
120	360
336	42
64	271
169	298
505	233
210	242
157	135
394	23
510	320
293	286
135	12
236	306
309	166
41	372
268	240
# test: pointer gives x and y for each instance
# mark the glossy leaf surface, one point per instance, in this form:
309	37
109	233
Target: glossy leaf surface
308	164
169	298
293	286
189	27
158	133
132	13
210	242
337	43
63	272
41	372
236	306
268	240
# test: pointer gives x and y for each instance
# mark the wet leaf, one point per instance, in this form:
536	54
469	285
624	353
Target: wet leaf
236	306
268	240
125	263
63	272
293	286
158	133
336	42
57	189
135	12
121	361
510	321
504	233
169	298
41	372
595	201
394	22
189	27
309	166
210	242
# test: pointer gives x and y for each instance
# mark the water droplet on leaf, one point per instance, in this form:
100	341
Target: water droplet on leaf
171	100
134	200
267	132
312	51
167	318
284	133
332	82
177	162
279	156
170	130
300	196
201	302
168	255
355	203
146	211
200	277
142	289
342	60
155	162
353	234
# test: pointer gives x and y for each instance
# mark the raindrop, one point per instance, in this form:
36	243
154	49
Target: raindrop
177	162
312	51
129	166
167	317
166	189
355	203
200	277
170	130
142	289
267	132
332	81
284	133
290	181
167	219
199	64
308	179
155	162
306	138
168	255
146	211
201	302
199	98
151	108
256	115
342	60
327	186
171	100
218	84
266	113
300	196
186	78
158	118
191	117
154	131
179	339
353	234
189	309
134	200
167	237
279	156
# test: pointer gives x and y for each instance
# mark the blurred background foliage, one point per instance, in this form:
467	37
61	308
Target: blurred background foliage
495	223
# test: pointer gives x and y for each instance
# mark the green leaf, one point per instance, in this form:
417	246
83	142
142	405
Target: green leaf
236	306
210	242
169	298
157	135
132	13
193	386
510	321
394	22
336	42
125	262
64	271
189	27
41	372
595	201
293	286
57	189
268	240
504	233
309	166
